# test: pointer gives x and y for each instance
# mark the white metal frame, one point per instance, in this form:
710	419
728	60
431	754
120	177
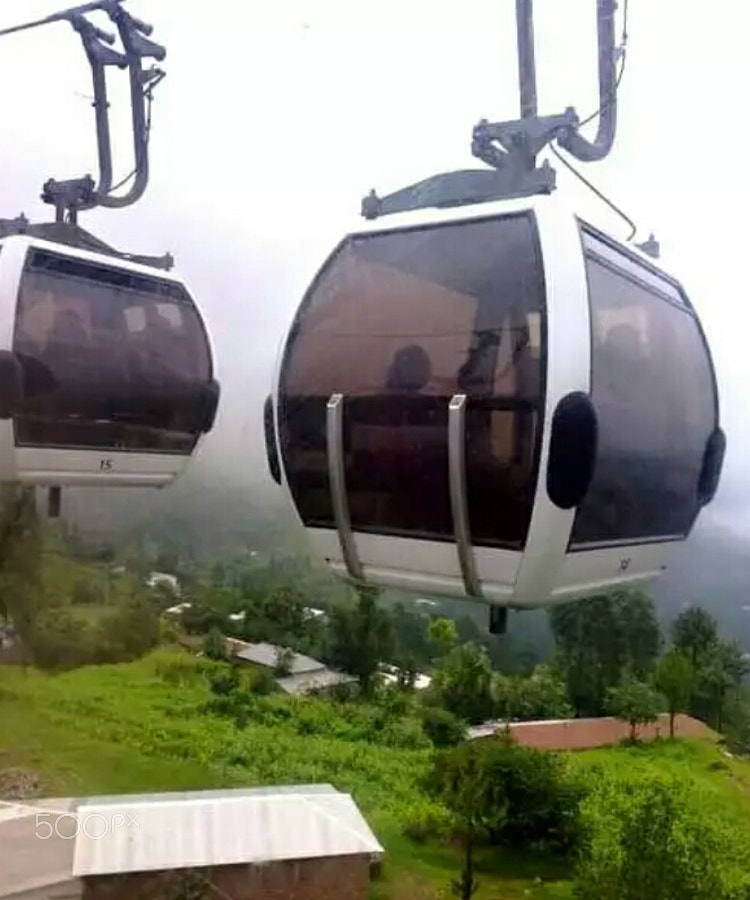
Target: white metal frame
545	572
70	466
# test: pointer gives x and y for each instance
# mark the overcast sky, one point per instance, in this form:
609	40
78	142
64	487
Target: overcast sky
275	119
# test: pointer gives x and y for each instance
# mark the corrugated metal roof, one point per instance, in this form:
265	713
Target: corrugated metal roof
266	654
303	682
235	828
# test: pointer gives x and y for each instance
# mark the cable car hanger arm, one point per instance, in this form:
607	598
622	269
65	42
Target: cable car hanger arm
134	36
511	147
72	195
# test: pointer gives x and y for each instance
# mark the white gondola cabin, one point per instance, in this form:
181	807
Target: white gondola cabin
499	403
106	369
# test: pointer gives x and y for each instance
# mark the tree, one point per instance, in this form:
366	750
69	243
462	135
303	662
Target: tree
515	796
413	648
601	637
442	634
722	671
635	703
214	645
694	633
539	696
22	594
360	638
463	682
675	678
284	661
458	779
129	629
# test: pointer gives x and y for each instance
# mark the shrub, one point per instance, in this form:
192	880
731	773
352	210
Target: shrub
525	796
442	727
62	639
214	645
645	838
225	681
260	681
169	632
427	820
284	660
176	667
404	733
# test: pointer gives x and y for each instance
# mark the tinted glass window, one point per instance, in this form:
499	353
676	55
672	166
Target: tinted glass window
398	323
654	394
110	359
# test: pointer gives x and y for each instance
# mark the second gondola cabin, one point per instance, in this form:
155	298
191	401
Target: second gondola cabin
500	403
106	369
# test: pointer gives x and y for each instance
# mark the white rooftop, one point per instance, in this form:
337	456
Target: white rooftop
243	827
175	830
263	654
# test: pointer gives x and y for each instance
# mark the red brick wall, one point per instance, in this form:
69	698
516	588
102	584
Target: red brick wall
331	878
580	734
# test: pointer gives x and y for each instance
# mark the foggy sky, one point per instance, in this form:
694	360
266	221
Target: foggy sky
273	123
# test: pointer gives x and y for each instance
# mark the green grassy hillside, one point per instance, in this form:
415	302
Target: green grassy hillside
144	726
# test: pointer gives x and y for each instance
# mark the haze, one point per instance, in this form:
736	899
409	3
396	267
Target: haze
274	121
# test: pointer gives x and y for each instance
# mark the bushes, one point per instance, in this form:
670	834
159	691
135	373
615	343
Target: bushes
649	837
442	727
427	820
214	645
524	797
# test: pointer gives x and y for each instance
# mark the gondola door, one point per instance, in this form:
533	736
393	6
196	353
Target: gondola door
411	404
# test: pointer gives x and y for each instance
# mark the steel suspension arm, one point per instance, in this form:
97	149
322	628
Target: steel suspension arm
571	140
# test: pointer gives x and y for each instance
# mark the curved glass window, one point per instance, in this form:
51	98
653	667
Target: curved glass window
111	359
654	392
398	322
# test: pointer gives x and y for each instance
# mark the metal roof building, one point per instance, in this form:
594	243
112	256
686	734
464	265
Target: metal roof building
305	673
222	831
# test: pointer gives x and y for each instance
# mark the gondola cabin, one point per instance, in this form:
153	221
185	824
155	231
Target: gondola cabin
499	403
106	369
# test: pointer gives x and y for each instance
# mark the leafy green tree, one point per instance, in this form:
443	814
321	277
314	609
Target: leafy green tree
463	682
62	639
720	675
214	645
598	639
542	695
22	594
694	634
284	660
634	702
442	727
459	780
129	629
442	634
199	619
510	795
675	678
412	647
360	638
